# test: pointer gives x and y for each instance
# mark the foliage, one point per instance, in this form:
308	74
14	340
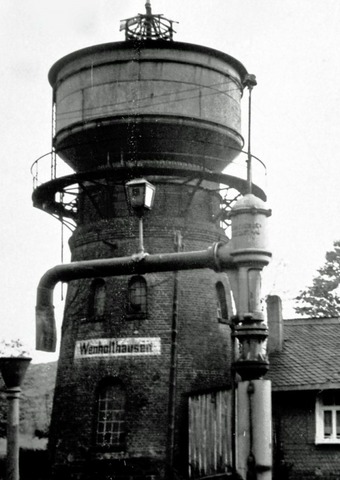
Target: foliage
322	299
35	403
13	348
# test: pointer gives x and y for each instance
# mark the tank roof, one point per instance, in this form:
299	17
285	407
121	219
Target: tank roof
148	44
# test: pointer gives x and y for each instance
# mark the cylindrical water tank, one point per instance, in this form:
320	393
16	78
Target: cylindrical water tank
158	100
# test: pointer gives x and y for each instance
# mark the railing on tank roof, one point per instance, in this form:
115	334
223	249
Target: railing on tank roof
148	26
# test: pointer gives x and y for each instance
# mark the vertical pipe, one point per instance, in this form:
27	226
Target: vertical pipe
243	296
61	246
148	19
12	460
262	431
233	400
234	288
251	461
254	433
148	7
243	440
250	82
173	364
249	166
141	241
53	159
254	290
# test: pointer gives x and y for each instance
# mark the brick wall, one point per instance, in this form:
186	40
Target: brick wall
296	455
203	359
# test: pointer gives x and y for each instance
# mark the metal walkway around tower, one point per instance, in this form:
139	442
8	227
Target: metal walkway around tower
58	194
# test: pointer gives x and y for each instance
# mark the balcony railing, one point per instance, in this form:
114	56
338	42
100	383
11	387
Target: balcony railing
50	167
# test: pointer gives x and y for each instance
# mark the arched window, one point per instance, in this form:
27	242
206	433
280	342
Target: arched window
222	309
110	425
137	296
97	298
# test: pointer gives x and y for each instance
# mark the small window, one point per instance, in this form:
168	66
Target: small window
97	298
110	425
327	417
137	301
222	309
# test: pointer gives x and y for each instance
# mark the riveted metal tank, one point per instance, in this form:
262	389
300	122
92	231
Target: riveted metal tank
161	100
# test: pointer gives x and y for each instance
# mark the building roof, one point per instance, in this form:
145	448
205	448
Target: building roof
310	356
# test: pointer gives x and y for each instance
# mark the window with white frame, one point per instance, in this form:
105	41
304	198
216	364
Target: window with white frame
110	425
327	417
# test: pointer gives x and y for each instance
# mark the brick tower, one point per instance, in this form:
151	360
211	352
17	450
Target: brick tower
134	347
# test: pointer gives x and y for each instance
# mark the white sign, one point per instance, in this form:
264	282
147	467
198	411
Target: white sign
117	347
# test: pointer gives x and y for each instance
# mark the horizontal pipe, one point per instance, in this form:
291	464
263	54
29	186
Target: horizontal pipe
217	257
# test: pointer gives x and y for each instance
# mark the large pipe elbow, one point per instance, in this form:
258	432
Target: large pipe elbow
217	257
46	331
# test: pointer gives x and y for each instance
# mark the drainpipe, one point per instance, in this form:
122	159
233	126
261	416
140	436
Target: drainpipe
216	257
173	364
233	399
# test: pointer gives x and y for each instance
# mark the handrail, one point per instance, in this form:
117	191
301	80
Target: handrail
35	165
51	173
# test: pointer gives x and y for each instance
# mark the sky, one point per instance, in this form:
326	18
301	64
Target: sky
292	46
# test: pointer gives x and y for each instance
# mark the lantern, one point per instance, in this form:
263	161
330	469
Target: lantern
140	194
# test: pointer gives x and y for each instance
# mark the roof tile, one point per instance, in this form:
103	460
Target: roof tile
310	355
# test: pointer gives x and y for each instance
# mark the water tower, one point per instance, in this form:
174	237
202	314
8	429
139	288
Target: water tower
134	347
